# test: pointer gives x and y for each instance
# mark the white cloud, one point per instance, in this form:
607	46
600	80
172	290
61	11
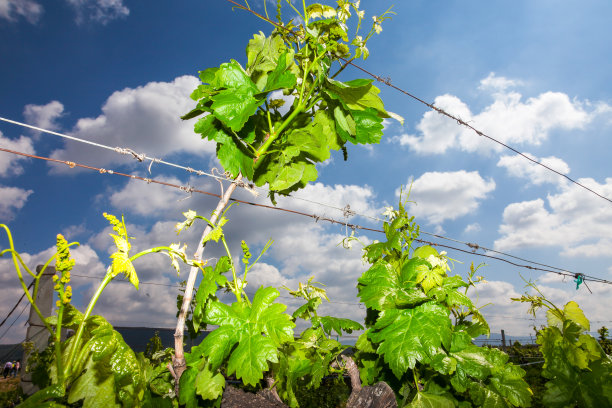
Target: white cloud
574	219
44	116
359	198
475	227
146	199
12	199
494	297
518	166
99	11
145	119
437	133
508	119
8	161
498	84
28	9
441	196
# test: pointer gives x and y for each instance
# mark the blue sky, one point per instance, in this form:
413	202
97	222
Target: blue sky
533	74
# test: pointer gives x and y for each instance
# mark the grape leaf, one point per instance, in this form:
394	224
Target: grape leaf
281	77
250	359
209	385
377	286
425	400
339	325
217	345
276	324
410	335
368	126
233	107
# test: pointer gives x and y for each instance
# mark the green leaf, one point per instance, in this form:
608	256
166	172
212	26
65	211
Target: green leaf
378	285
36	400
575	314
430	277
281	77
234	159
94	390
339	325
262	57
425	252
411	271
448	293
209	386
250	359
485	397
471	362
123	264
223	315
233	107
357	95
299	173
407	336
187	393
425	400
311	141
515	391
443	364
218	344
304	311
276	324
368	126
229	75
345	124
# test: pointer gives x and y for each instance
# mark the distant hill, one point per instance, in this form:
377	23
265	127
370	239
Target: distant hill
136	337
10	352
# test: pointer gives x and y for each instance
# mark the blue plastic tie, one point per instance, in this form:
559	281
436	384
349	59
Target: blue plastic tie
579	279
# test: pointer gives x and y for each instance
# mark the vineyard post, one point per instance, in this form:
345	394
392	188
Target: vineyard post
503	334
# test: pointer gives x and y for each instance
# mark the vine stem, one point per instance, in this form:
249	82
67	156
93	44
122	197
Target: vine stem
178	360
77	338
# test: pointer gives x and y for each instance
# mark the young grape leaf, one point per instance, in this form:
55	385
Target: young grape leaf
339	325
281	76
209	385
425	400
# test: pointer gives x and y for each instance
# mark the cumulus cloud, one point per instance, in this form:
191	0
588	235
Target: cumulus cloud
518	166
146	199
475	227
44	116
509	119
11	200
145	119
9	162
99	11
12	9
441	196
573	220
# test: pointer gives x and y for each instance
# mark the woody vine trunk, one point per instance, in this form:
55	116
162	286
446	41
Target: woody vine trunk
178	361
